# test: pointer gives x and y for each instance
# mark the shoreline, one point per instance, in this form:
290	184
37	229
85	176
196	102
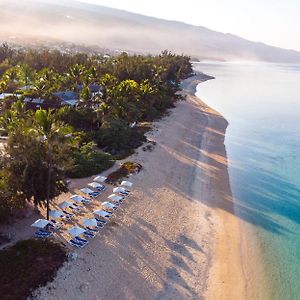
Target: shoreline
227	278
238	271
167	241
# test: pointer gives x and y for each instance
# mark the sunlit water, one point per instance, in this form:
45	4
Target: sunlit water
261	102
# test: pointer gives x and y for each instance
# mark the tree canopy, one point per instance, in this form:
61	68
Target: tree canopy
114	94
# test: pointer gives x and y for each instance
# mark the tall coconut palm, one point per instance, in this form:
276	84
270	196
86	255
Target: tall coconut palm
26	74
56	137
46	82
39	155
90	76
10	78
75	75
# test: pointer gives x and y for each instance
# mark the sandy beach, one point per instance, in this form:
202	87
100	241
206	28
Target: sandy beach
176	237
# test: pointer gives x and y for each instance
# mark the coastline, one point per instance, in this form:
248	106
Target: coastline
177	236
227	278
238	269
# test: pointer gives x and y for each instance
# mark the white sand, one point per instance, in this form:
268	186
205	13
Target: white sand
162	243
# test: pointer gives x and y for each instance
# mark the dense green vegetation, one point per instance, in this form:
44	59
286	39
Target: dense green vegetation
28	265
126	169
115	96
88	159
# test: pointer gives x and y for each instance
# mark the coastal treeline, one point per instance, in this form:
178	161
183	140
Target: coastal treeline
112	100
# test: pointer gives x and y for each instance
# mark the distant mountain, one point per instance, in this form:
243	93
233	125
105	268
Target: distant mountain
77	22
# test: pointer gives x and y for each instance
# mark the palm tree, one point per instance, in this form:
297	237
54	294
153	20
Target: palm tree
11	74
16	115
75	75
10	78
26	74
46	82
86	98
90	76
39	155
56	136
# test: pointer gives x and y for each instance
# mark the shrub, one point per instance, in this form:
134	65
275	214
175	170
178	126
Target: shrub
90	161
117	137
125	169
9	205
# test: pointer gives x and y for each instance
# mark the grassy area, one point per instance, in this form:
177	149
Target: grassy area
28	265
125	169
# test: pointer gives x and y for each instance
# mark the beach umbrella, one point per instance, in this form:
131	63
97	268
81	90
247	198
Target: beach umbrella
115	198
87	191
90	222
100	178
40	223
108	205
101	213
77	198
56	214
76	231
95	185
119	190
65	204
127	183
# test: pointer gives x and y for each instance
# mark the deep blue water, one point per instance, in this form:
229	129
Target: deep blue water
261	102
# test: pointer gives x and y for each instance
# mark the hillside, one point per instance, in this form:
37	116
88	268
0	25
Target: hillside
89	24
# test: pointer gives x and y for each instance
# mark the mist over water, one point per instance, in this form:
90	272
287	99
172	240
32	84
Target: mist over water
262	105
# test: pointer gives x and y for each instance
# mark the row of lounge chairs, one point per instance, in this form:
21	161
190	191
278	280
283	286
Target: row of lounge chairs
89	232
42	233
78	204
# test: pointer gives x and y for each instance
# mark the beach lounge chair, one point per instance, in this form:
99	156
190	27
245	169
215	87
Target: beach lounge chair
80	240
91	229
89	234
116	198
98	186
100	225
125	193
80	199
109	206
121	190
90	192
103	214
86	200
101	221
67	214
56	223
52	226
75	209
78	206
41	234
45	231
126	183
100	178
76	244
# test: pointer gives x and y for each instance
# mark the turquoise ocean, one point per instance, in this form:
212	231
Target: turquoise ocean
261	102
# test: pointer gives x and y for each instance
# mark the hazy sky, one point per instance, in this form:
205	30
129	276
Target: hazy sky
275	22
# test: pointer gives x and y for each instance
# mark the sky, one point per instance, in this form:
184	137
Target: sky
275	22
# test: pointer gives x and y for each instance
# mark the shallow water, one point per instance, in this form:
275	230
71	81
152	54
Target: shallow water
261	102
